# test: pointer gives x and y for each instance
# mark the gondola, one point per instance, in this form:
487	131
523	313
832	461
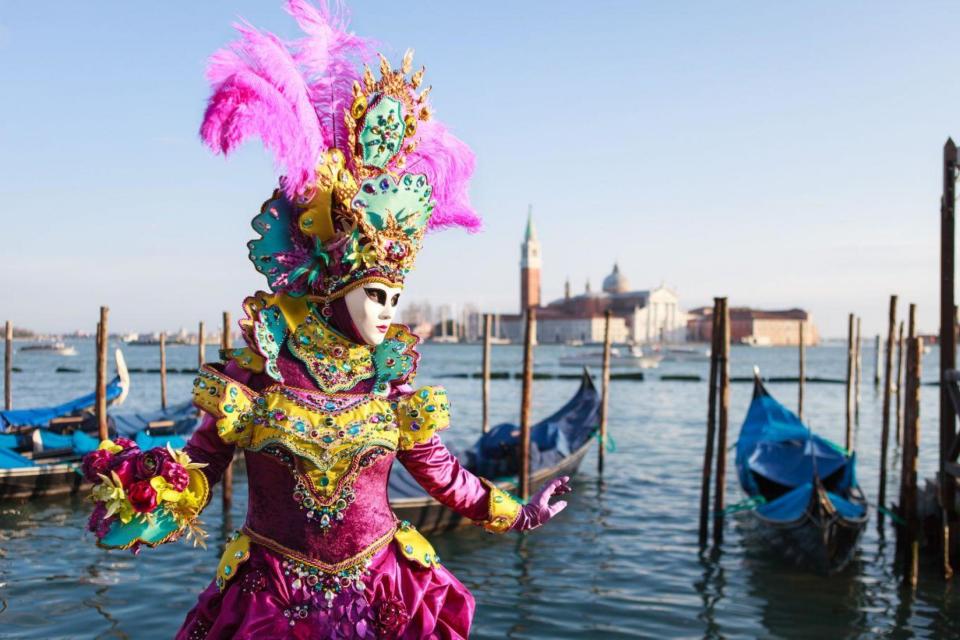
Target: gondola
557	446
70	412
807	505
41	449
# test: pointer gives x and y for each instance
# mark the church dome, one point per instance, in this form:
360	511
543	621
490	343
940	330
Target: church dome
616	282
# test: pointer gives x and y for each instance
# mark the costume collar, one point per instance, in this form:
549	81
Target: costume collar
338	364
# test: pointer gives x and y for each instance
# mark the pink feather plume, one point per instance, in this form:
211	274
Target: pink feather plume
292	96
448	164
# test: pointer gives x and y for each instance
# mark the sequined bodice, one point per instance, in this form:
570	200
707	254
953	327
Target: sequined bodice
318	464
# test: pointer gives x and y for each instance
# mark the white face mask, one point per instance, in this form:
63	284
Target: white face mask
372	307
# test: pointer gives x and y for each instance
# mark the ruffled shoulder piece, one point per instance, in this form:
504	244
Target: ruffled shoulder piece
269	320
421	415
245	358
396	358
228	401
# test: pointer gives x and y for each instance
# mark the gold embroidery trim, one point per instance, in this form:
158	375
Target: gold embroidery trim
368	552
503	509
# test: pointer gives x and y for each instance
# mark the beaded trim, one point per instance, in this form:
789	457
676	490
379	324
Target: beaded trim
503	509
421	414
338	364
370	551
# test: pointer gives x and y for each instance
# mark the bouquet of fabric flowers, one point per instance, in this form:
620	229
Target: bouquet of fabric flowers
144	497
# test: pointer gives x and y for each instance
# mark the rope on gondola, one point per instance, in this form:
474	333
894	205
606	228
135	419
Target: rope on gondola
610	444
893	515
745	505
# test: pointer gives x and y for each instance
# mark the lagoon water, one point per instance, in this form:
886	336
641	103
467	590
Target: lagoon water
621	562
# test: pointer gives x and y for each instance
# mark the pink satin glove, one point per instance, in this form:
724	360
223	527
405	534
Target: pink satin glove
538	510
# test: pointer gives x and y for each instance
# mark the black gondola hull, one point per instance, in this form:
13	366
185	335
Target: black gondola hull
820	540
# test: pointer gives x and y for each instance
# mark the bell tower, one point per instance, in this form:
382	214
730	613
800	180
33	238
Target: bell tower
529	266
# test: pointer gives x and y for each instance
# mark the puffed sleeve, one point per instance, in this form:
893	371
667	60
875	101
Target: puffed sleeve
225	399
421	415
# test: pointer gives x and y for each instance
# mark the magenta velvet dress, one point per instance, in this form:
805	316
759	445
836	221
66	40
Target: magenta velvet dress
321	554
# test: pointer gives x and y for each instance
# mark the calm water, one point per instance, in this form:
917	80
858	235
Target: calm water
621	562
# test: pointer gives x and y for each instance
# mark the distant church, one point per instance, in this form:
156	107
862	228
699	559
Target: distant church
637	316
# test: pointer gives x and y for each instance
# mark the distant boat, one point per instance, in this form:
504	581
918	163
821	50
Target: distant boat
55	347
634	357
678	353
807	505
557	446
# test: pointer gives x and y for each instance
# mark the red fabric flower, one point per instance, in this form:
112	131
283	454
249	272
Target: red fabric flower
150	463
175	474
125	471
391	618
143	497
96	463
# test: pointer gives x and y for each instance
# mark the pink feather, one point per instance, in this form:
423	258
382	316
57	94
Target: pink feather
330	57
273	89
292	95
448	164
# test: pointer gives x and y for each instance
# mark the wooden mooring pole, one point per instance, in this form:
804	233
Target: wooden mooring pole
848	439
201	338
228	472
948	353
103	339
908	538
711	424
8	367
526	401
887	388
723	366
801	377
898	385
857	372
876	361
487	322
163	371
605	390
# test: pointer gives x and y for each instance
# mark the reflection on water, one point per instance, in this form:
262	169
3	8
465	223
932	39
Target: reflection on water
621	562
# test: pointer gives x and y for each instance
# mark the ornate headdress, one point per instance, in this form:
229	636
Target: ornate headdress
367	169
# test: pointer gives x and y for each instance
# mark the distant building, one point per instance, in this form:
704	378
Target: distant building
756	326
637	315
530	264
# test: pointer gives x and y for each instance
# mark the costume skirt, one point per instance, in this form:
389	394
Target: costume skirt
400	599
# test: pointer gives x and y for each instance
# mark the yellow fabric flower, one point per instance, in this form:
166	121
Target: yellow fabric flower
365	255
164	492
110	446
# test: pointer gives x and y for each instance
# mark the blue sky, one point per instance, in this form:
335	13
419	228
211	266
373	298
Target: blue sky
783	154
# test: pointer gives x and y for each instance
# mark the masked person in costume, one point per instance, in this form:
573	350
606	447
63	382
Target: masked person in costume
321	399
